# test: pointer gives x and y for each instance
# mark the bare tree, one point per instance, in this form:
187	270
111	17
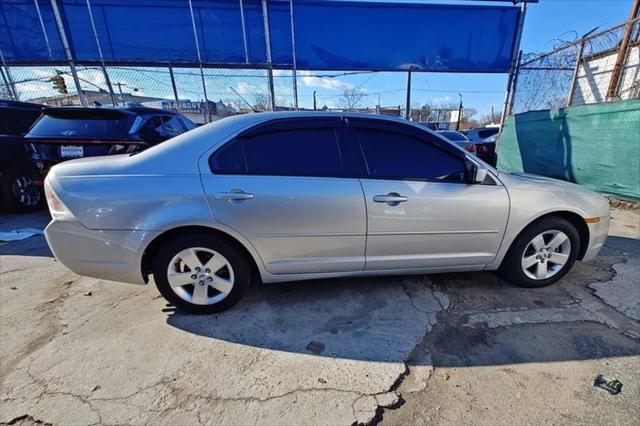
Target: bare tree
420	113
261	102
490	118
351	98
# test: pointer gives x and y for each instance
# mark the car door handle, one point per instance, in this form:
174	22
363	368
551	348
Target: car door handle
392	198
235	195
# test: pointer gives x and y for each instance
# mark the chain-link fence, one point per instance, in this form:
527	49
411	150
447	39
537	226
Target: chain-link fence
582	72
203	95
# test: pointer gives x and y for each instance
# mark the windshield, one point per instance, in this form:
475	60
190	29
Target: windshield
115	127
454	136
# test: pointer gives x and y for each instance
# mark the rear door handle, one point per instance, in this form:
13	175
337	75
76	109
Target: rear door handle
392	198
233	195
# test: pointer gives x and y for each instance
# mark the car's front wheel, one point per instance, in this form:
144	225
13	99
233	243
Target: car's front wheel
201	274
542	254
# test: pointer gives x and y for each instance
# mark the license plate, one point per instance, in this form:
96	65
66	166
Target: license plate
71	151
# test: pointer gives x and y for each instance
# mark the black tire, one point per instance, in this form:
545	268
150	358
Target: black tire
511	268
12	201
239	264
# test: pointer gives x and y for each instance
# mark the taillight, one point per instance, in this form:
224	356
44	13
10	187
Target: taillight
471	148
57	208
482	149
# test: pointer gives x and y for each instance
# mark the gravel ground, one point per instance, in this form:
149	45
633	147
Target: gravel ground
438	349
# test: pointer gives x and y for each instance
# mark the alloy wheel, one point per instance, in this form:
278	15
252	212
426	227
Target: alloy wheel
25	191
200	276
546	254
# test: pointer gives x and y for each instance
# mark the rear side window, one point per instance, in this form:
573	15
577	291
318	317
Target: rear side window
16	121
391	155
302	152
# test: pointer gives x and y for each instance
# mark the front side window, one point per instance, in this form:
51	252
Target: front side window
172	126
391	155
300	152
151	131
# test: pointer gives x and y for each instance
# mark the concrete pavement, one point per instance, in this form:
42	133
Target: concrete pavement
433	349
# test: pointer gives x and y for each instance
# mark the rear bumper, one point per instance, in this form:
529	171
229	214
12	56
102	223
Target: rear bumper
598	233
109	255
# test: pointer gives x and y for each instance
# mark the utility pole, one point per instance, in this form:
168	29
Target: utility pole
314	100
492	119
623	52
407	114
459	112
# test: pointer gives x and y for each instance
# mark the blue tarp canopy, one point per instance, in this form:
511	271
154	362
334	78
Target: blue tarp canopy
335	35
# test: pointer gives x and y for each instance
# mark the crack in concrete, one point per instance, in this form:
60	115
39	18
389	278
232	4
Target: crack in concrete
25	418
52	327
412	356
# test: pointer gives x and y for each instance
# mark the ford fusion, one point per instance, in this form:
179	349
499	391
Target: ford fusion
288	196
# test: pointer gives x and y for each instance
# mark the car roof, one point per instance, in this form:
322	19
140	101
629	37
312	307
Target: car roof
129	109
21	105
255	118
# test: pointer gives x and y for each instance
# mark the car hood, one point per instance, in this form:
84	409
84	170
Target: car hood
540	183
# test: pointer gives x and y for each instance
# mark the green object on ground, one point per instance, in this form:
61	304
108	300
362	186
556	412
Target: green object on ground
597	146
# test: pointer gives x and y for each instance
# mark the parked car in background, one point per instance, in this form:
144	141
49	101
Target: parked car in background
72	132
486	150
459	139
290	196
20	183
485	140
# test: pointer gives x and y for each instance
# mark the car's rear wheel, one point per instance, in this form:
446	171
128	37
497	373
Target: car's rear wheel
20	193
201	274
542	254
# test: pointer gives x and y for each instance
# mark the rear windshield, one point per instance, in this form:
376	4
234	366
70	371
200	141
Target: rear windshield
454	136
84	126
487	132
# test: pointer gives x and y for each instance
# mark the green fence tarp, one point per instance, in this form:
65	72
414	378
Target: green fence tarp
593	145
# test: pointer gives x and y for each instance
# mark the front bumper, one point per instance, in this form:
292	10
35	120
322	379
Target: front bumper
598	233
105	254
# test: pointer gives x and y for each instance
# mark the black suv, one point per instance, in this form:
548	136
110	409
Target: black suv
64	133
20	189
485	140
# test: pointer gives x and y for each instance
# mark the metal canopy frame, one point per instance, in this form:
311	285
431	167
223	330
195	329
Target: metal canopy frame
268	64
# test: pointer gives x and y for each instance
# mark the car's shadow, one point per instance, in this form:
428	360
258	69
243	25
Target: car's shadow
384	319
31	246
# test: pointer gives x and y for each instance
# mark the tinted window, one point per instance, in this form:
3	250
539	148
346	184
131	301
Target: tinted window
487	132
82	127
229	159
397	156
454	136
16	121
188	124
172	126
306	152
152	130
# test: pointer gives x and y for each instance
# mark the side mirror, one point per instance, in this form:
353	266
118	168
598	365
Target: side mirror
479	174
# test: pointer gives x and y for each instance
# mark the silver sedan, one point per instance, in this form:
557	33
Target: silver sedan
293	196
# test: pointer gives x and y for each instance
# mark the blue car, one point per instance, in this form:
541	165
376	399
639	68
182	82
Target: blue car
64	133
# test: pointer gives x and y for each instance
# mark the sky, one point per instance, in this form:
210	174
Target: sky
547	23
